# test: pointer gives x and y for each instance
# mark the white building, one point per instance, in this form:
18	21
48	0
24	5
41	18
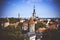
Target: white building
31	25
32	28
6	22
31	35
22	20
47	24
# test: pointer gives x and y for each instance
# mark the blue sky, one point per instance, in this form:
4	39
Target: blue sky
44	8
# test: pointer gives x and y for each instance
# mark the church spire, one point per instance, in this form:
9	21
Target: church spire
34	13
18	15
34	9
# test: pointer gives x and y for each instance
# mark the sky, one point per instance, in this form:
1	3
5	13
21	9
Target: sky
44	8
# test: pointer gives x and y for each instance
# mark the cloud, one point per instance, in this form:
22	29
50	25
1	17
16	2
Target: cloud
31	1
36	1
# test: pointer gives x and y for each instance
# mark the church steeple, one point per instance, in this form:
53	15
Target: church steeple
34	13
18	15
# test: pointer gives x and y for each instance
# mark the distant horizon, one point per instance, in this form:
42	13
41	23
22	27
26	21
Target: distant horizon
29	17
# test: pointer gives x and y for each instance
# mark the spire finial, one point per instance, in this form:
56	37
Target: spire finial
34	6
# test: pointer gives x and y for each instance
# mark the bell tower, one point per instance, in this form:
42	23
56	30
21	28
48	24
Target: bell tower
34	13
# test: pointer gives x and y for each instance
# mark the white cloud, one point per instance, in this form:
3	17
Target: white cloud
35	1
32	1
